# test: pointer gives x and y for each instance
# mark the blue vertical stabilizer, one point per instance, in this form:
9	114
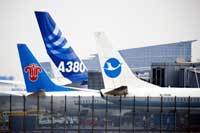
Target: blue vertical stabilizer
59	50
34	75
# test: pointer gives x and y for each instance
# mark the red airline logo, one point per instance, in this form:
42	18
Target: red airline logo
33	71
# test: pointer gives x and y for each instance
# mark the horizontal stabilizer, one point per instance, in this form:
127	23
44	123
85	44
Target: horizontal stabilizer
120	91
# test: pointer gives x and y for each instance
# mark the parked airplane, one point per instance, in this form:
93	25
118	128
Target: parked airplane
119	79
59	49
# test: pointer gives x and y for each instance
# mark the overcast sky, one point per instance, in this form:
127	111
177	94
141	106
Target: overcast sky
127	23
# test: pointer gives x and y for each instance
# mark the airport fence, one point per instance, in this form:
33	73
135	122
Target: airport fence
97	114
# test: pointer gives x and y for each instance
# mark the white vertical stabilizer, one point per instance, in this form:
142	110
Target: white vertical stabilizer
116	72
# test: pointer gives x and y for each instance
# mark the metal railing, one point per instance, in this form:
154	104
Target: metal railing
93	114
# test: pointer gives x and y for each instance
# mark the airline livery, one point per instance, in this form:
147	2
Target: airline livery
60	50
36	78
119	79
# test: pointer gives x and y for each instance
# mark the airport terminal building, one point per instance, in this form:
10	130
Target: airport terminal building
141	59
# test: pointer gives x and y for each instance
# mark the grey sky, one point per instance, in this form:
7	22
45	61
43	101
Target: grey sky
128	24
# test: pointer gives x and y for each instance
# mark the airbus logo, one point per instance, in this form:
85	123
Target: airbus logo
112	68
33	71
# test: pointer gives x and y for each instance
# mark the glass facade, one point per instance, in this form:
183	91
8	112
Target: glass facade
141	59
176	74
95	80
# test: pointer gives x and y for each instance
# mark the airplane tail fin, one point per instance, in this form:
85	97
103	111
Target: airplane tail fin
115	71
59	49
34	75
